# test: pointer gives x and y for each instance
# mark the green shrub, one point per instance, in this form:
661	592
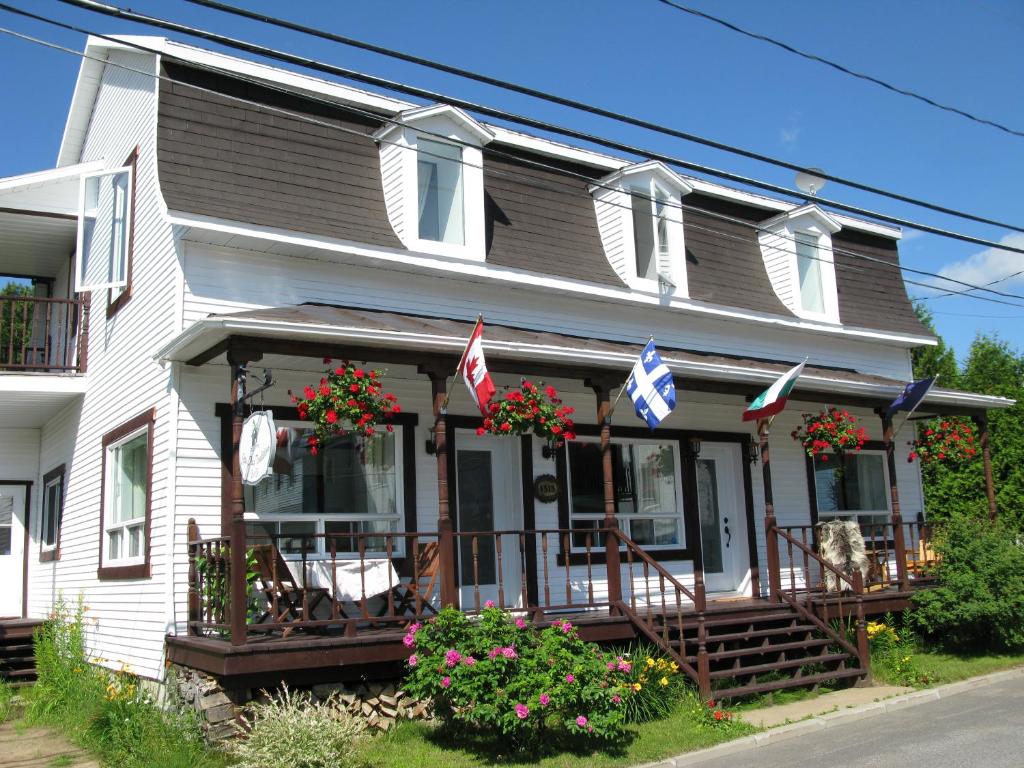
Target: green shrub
296	731
657	682
978	604
496	675
6	701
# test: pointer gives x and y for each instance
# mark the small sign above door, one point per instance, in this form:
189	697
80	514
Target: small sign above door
545	488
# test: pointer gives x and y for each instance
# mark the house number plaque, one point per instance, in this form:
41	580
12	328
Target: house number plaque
545	488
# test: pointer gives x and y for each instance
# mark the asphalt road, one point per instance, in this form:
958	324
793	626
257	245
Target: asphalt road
979	728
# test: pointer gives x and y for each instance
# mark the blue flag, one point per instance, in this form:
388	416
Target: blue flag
911	397
651	388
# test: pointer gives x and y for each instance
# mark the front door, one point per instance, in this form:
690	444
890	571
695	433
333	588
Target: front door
487	486
12	557
723	518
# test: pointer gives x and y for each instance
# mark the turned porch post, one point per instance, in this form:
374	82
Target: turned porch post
445	528
602	389
770	533
236	532
986	457
889	439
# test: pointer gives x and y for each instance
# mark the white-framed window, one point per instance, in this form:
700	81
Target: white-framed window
431	163
854	488
640	220
127	488
104	229
648	490
808	268
53	510
6	523
354	484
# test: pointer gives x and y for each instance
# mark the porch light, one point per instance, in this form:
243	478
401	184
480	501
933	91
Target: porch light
695	446
430	446
753	452
547	451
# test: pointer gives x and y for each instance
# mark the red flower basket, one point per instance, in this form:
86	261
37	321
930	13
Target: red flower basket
830	431
347	400
946	441
531	408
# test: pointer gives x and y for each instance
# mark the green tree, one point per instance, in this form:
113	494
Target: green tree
938	360
15	322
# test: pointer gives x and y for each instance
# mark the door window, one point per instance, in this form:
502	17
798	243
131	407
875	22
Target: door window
476	513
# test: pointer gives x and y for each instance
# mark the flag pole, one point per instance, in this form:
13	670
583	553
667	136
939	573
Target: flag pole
462	360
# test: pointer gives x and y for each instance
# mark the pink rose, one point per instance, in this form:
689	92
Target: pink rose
509	653
520	623
522	711
616	699
446	681
452	657
469	661
489	604
409	641
414	660
581	721
570	678
544	699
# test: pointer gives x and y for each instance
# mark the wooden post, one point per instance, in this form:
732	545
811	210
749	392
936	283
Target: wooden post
445	528
889	439
771	534
986	458
83	334
602	389
238	586
863	649
195	610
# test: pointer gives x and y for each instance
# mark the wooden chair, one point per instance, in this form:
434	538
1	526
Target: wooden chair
294	601
924	557
418	587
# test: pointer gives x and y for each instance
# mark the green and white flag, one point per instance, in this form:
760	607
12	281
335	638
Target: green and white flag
773	399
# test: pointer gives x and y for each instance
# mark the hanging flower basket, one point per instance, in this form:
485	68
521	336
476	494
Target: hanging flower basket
946	441
347	400
830	431
531	408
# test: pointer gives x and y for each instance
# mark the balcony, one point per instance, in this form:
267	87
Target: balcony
42	335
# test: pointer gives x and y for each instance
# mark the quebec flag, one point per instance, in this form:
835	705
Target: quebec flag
651	388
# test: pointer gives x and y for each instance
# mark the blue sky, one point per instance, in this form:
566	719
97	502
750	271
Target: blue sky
648	60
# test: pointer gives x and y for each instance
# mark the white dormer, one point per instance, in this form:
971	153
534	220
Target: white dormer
431	167
640	218
797	250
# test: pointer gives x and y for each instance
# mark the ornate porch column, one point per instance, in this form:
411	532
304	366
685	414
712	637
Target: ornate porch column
445	528
770	533
888	438
986	457
602	389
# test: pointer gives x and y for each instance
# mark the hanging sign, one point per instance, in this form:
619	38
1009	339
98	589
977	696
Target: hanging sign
545	488
258	447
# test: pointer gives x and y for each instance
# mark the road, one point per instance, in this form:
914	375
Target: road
983	726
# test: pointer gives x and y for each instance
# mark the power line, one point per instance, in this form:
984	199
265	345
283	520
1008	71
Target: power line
519	177
581	106
836	66
504	115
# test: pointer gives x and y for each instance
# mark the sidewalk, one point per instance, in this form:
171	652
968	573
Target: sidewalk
835	701
39	748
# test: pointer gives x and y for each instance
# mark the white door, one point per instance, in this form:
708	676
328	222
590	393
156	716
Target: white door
12	556
487	486
723	518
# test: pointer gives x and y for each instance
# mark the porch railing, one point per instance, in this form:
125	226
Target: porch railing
40	334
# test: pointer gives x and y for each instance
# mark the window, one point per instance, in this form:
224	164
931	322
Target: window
439	182
354	484
808	264
104	229
52	514
648	496
6	522
127	477
650	231
854	489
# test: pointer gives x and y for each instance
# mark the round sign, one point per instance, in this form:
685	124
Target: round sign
545	488
258	447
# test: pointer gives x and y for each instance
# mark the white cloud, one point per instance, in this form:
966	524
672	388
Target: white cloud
789	136
987	266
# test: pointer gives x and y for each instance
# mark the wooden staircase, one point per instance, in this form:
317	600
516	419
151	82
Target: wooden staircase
17	656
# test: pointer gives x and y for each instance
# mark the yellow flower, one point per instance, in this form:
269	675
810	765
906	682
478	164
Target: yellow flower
674	666
637	686
663	682
650	662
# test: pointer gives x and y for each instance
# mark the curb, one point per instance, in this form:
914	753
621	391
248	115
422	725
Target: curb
822	722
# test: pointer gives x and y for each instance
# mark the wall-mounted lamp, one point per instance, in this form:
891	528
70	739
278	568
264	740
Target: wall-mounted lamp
753	452
695	446
430	446
547	451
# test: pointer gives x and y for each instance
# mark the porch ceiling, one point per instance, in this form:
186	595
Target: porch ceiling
316	329
29	400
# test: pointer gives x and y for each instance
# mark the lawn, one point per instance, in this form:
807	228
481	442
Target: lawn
416	745
948	667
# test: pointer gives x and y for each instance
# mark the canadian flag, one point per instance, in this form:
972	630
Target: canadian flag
474	369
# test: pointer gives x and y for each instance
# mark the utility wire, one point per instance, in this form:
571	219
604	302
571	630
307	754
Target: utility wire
829	63
504	115
583	107
519	177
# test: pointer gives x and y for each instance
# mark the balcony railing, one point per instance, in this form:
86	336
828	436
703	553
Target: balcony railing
42	335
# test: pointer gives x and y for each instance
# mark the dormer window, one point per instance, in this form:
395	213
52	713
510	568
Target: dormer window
797	250
432	173
639	214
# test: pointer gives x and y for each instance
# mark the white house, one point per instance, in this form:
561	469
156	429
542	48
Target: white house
209	218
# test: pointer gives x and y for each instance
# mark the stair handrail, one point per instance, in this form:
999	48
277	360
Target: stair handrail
821	560
698	603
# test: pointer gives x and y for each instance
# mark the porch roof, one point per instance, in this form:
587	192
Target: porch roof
318	330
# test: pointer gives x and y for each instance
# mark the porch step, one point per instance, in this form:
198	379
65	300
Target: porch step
790	682
766	650
776	666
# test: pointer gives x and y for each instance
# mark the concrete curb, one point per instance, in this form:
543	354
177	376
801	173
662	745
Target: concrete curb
821	722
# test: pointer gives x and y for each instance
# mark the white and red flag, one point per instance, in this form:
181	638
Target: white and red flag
473	368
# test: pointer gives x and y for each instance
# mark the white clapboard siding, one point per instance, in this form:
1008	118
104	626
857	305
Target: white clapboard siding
127	619
391	171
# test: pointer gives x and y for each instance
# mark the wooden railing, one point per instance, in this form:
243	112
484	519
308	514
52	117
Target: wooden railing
39	334
660	617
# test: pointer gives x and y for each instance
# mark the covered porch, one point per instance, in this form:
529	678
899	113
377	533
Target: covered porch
551	535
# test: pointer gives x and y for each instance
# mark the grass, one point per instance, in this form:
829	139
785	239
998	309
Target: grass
6	701
418	745
942	667
62	761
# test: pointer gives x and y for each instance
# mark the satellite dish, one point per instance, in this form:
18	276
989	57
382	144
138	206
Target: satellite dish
258	447
811	181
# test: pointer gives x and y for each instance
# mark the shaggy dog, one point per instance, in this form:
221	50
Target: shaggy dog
842	545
